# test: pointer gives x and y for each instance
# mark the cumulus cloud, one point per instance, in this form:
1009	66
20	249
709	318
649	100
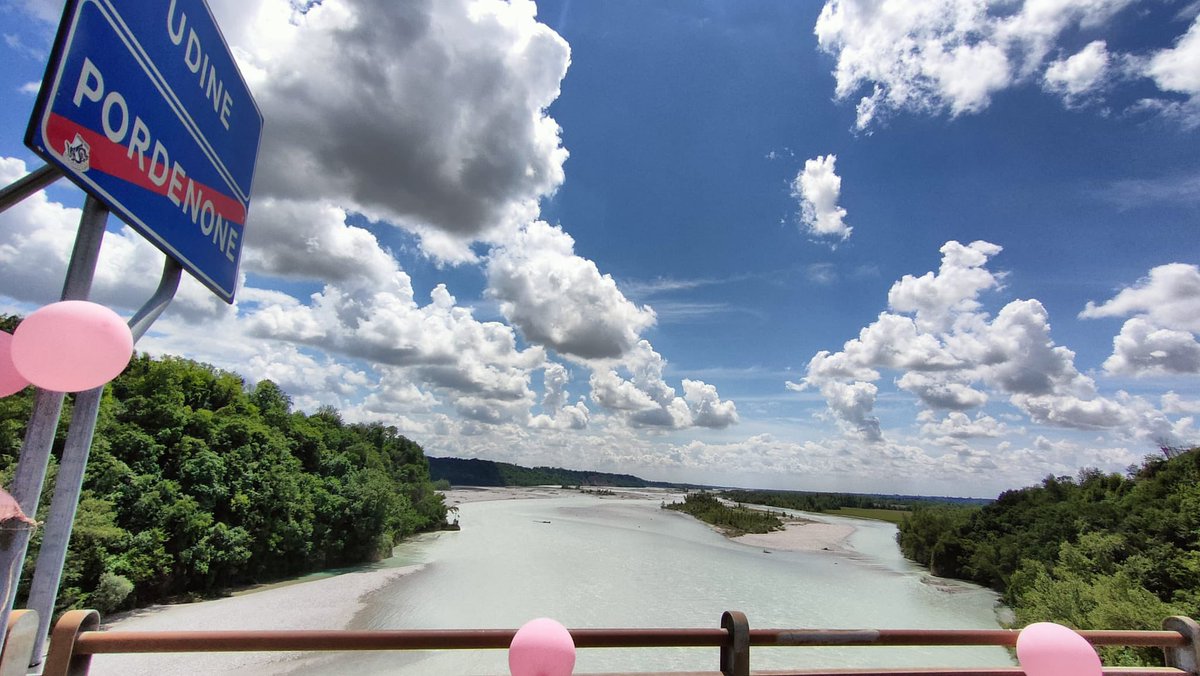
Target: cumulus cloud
957	427
440	343
556	413
954	356
301	239
950	55
444	131
1079	74
1168	297
1173	403
561	300
636	391
818	189
706	406
1177	70
1161	337
853	403
1143	349
942	392
936	298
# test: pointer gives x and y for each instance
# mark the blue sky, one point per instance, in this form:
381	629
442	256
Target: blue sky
646	237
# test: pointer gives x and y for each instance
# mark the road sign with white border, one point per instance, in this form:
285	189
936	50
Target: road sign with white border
143	106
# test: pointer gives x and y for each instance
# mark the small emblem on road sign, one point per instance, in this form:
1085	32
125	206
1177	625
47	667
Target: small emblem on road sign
78	153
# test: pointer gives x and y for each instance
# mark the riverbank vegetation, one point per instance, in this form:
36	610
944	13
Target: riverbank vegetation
1098	551
478	472
733	521
891	508
197	483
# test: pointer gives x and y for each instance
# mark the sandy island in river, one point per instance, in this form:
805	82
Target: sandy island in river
802	536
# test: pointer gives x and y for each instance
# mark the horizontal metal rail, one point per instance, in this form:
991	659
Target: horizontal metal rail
102	642
76	638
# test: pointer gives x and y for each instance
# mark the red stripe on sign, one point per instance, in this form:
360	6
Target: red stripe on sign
120	162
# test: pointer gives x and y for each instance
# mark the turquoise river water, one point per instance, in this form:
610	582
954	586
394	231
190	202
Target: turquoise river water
623	562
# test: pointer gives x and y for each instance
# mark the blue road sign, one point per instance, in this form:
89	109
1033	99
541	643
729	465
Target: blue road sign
143	106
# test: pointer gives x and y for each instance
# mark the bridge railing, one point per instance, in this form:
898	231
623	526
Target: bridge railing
76	638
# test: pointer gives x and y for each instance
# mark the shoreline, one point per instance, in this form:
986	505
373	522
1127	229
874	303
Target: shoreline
802	535
326	603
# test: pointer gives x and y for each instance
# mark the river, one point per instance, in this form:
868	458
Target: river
622	562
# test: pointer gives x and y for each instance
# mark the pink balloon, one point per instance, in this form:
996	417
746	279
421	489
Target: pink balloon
72	346
1048	649
11	381
541	647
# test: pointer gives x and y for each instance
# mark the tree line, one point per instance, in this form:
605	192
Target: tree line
197	483
737	520
1096	551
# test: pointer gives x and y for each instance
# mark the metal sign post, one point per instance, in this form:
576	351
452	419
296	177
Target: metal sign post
47	573
39	435
144	108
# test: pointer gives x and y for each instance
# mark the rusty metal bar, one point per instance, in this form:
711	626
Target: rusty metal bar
483	639
75	641
735	649
65	659
998	671
96	643
947	637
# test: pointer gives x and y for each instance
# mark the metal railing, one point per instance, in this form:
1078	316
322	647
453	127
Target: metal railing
76	638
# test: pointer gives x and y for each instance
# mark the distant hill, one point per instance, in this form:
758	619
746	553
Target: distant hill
474	472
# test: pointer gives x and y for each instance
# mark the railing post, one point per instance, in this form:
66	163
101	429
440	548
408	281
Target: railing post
62	660
735	652
1186	658
18	643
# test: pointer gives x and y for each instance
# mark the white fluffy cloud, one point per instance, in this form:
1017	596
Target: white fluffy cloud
312	240
853	403
818	188
561	300
954	55
951	354
1143	349
642	398
557	414
441	343
1161	336
937	298
1078	74
957	427
443	131
1177	70
1168	297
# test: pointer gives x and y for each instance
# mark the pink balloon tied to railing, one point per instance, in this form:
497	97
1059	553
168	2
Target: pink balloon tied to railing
11	380
1048	649
71	346
541	647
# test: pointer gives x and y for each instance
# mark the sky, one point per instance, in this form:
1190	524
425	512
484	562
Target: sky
944	247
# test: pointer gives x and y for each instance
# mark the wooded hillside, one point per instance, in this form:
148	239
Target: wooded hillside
197	483
1096	551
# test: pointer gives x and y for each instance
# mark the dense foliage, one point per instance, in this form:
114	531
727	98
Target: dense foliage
1098	551
196	483
476	472
733	520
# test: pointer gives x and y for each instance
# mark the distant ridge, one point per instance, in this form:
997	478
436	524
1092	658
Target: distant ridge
475	472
